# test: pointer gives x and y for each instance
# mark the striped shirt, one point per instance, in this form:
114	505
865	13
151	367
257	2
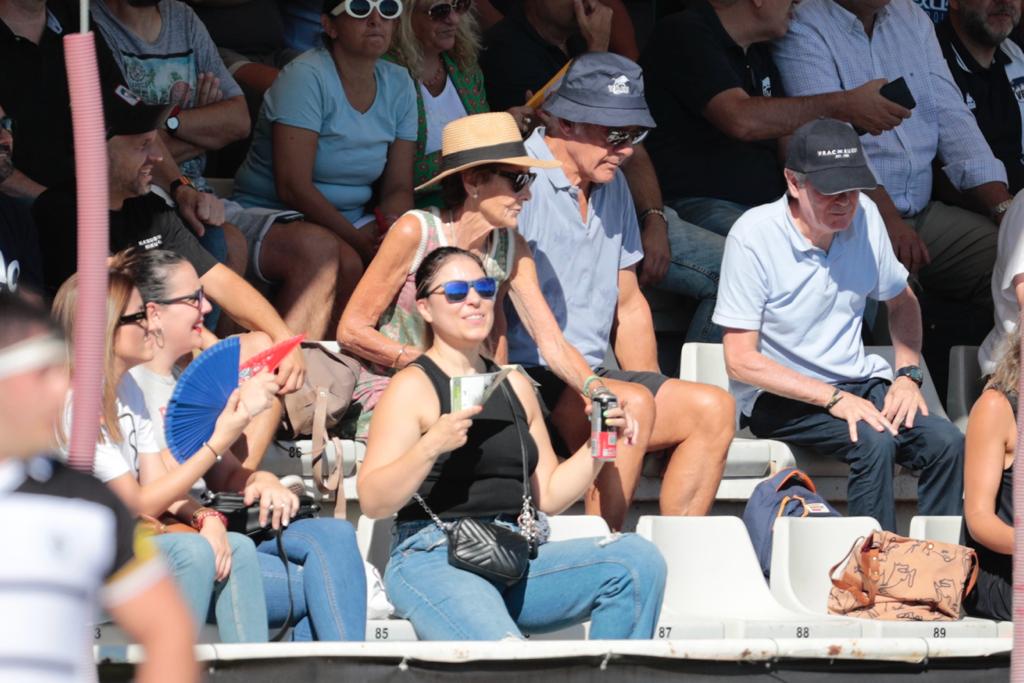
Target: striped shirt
827	50
71	547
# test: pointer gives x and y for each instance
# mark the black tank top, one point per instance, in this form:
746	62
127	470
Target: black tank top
996	575
485	476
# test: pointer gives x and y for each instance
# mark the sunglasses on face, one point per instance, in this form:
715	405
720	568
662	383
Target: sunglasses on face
360	9
616	137
139	318
520	179
195	299
440	11
7	123
456	291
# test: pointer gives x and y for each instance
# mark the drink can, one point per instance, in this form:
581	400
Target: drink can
603	437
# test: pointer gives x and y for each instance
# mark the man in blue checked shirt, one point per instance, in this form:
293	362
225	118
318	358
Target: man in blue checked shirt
841	44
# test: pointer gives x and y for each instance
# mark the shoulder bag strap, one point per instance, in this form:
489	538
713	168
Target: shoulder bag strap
528	516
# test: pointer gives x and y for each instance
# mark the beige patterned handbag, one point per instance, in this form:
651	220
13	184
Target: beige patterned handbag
903	579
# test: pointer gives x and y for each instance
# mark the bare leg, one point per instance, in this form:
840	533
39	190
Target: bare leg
613	490
238	249
696	421
303	258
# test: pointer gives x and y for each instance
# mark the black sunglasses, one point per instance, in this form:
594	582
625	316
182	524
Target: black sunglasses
442	10
139	318
616	137
456	291
195	299
520	179
360	9
7	123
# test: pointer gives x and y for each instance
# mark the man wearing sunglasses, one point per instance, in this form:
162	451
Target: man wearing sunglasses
581	224
141	219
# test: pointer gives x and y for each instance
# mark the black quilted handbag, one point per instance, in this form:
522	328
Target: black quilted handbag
498	554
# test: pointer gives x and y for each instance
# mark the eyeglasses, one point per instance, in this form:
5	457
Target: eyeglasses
440	11
616	137
7	123
139	318
520	179
360	9
456	291
195	299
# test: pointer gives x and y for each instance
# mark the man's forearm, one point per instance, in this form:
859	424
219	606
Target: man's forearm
215	125
20	186
635	346
243	303
905	329
180	150
643	181
756	369
768	118
989	195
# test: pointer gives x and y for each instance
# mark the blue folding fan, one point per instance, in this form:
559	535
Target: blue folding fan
199	397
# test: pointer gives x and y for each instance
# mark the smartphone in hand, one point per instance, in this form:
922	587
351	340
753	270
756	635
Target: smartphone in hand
897	91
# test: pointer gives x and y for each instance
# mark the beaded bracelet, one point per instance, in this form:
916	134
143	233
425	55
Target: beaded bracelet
200	516
586	385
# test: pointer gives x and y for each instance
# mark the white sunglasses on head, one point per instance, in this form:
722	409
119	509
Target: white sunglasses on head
360	9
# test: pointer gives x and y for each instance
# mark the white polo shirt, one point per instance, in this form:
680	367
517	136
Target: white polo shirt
806	303
1009	264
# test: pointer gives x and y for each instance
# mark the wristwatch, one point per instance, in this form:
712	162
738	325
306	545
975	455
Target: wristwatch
1000	209
172	123
913	372
178	182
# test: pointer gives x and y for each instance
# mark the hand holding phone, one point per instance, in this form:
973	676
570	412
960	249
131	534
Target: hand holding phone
878	106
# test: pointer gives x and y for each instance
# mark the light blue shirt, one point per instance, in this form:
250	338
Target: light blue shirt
827	50
577	263
352	147
806	303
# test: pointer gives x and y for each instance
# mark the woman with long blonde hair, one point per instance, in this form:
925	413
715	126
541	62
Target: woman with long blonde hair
211	566
988	486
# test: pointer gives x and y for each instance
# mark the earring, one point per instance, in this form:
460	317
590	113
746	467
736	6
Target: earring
158	338
476	194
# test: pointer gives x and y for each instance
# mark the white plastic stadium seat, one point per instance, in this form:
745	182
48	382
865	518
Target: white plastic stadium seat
803	551
568	527
714	580
965	384
945	529
748	457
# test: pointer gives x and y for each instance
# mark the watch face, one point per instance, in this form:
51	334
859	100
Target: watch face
172	123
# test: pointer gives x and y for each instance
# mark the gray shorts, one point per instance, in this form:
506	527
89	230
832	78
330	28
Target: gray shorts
255	223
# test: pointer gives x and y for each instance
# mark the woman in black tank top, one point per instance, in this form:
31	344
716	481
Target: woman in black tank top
470	464
988	487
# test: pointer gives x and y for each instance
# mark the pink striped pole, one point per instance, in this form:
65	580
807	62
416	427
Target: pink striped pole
93	245
1017	659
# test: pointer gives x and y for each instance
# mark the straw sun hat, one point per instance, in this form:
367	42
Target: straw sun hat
480	139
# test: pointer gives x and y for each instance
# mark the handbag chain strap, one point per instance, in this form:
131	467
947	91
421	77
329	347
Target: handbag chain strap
527	519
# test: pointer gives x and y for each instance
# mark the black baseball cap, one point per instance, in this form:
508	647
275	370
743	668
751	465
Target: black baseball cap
829	153
127	114
602	88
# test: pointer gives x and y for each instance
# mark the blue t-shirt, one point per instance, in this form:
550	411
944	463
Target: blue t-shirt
806	303
577	263
352	147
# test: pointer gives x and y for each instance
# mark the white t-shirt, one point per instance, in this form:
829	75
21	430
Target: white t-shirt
115	459
1009	264
156	392
806	303
440	111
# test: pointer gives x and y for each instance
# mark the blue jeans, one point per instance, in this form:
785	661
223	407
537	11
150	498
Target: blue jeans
694	272
213	241
934	446
237	607
716	215
327	577
617	584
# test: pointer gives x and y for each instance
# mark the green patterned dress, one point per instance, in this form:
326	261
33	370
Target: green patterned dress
403	324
